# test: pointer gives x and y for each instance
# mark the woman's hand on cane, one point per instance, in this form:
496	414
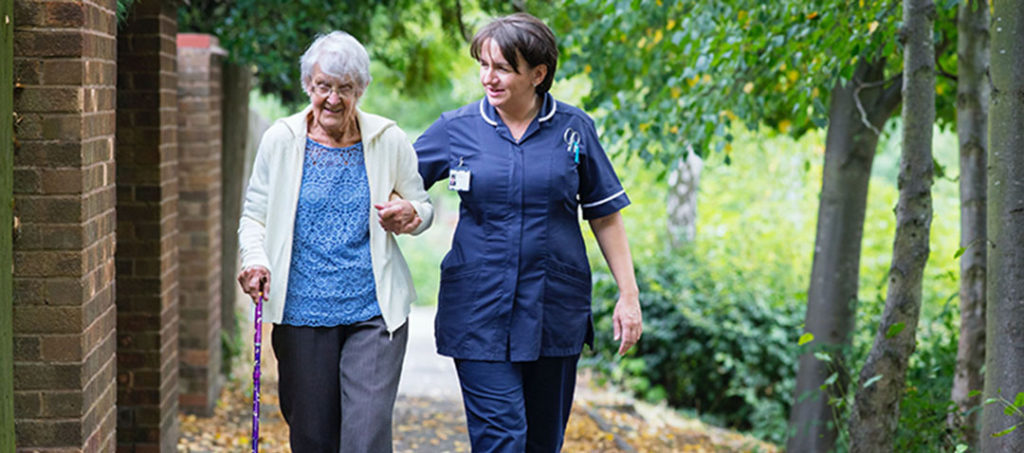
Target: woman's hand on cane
254	280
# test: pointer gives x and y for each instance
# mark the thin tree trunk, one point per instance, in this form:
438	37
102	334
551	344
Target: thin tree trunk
876	406
832	294
1004	361
972	129
683	182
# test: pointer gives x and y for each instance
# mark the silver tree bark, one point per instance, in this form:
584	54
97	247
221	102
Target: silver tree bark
683	183
876	406
972	129
832	293
1004	361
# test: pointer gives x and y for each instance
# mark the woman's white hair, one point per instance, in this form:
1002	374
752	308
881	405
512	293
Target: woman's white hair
339	55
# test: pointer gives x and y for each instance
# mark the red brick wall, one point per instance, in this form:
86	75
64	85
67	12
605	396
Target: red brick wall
147	230
199	214
64	315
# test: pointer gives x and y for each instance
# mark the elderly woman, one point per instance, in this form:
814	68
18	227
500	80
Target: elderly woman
514	304
318	228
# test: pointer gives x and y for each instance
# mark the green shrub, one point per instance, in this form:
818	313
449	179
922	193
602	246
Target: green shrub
926	402
712	342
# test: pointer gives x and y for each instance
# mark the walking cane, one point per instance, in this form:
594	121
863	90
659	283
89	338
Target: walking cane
256	373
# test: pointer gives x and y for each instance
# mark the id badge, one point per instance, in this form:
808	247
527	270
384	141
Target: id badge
458	179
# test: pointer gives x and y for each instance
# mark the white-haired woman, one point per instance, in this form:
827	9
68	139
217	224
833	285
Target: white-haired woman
317	226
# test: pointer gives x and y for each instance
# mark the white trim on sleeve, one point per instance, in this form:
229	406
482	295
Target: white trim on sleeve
601	202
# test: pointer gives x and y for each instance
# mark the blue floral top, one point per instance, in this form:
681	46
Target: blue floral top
331	281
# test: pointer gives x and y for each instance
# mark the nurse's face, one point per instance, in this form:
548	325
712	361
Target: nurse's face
507	89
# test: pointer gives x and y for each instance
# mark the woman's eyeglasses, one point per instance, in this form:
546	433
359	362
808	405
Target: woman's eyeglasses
323	89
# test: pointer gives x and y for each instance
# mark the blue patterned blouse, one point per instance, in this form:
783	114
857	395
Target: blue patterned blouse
331	280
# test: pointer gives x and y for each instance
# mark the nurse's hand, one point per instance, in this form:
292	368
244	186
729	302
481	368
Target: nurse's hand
627	322
397	216
250	279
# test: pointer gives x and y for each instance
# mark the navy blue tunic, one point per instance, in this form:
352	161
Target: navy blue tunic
516	283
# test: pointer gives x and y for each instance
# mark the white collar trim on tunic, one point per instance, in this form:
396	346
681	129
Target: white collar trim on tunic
548	116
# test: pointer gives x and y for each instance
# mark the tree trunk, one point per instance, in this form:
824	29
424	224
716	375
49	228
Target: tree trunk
683	182
1004	360
972	129
832	294
876	405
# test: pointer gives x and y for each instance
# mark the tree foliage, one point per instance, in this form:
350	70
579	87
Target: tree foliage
416	41
669	72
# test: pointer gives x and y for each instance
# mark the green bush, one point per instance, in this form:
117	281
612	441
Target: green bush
711	342
926	402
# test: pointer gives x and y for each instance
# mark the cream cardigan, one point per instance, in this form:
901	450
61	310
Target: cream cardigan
268	213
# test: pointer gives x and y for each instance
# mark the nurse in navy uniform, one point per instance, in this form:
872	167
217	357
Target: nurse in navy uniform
514	303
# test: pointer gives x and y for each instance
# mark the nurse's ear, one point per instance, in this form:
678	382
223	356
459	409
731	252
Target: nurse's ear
537	74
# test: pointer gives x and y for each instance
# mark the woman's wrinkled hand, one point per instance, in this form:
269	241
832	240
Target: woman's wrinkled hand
627	323
250	280
398	216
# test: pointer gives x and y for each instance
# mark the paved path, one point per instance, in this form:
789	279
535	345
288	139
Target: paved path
428	414
425	373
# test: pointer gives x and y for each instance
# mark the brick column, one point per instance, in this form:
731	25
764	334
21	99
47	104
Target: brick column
64	315
147	230
199	147
237	83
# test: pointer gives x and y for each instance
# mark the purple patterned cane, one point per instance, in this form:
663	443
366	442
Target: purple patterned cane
256	374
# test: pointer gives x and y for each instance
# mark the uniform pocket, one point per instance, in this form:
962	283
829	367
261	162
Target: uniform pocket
458	292
566	309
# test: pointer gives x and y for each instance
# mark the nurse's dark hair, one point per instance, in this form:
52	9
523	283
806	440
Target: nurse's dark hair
523	33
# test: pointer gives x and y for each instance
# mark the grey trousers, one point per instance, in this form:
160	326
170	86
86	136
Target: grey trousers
338	385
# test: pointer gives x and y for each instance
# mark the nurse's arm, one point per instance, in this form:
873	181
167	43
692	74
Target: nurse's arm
627	321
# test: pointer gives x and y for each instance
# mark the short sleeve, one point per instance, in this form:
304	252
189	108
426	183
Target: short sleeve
432	153
600	193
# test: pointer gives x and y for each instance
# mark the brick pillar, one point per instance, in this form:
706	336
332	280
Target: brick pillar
147	230
199	148
64	314
237	83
